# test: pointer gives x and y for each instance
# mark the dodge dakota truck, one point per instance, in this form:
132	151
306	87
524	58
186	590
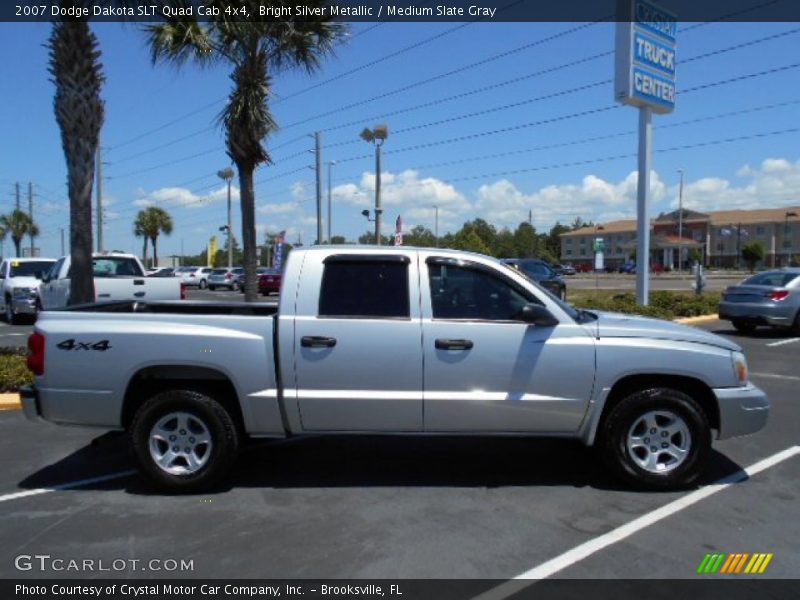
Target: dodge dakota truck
117	276
390	341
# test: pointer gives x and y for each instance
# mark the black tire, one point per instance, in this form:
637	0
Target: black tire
796	324
744	326
628	414
210	414
211	288
202	285
235	286
10	316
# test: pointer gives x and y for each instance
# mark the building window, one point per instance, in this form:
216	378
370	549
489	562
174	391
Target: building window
569	252
583	251
569	242
787	243
760	230
720	246
583	241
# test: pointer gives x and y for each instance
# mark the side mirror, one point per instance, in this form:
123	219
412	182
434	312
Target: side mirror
538	315
45	277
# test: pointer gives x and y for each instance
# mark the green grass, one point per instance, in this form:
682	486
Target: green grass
664	304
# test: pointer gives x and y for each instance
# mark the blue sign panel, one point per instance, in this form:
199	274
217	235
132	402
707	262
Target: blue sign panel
652	88
649	52
655	19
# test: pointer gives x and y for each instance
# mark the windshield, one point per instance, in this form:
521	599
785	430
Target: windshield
773	278
30	269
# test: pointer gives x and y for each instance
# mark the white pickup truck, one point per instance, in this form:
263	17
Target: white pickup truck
414	341
116	277
20	283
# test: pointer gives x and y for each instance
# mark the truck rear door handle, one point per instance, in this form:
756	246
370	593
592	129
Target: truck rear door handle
138	282
317	341
139	294
442	344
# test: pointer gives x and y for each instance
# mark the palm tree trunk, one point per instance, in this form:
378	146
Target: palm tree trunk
248	201
144	252
155	251
17	245
78	78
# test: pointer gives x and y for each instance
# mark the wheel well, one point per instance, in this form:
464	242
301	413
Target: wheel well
152	380
690	386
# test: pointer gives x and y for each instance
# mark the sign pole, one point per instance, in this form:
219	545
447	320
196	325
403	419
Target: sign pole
642	213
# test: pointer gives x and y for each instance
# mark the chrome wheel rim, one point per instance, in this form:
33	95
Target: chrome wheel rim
659	441
180	443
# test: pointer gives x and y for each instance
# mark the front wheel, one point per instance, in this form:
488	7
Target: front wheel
184	441
235	286
212	288
202	285
11	317
656	438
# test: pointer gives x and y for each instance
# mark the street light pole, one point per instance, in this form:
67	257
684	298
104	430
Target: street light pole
330	213
377	136
680	223
786	235
227	175
436	225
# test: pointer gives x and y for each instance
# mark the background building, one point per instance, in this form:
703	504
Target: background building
715	238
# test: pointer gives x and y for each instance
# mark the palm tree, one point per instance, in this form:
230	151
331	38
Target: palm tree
150	223
139	231
254	50
18	224
78	78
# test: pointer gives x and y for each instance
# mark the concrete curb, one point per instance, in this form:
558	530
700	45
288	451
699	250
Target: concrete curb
10	402
695	320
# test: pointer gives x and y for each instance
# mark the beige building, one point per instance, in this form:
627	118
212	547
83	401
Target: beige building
717	237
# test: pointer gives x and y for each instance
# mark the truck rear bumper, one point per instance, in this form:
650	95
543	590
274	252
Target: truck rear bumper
30	403
742	410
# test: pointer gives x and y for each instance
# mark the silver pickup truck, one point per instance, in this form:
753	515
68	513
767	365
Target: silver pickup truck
391	341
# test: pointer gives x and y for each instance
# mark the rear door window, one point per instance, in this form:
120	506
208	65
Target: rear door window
368	287
776	279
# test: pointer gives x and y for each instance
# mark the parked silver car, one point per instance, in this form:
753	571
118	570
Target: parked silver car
770	298
195	276
225	277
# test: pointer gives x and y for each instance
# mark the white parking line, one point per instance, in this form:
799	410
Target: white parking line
776	376
782	342
592	546
66	486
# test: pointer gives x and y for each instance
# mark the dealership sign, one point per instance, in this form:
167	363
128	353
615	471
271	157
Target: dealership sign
645	56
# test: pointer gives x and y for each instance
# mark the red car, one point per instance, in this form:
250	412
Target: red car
269	282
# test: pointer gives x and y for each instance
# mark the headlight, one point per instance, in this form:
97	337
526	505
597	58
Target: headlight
739	367
23	292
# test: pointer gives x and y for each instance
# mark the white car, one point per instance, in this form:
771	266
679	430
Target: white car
20	279
194	276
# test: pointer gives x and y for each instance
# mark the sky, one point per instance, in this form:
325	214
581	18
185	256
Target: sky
486	120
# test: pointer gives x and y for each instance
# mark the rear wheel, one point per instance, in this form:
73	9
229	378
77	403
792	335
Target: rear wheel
656	438
744	326
796	325
235	286
212	287
184	441
202	285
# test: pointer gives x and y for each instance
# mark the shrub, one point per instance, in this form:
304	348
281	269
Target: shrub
663	304
13	371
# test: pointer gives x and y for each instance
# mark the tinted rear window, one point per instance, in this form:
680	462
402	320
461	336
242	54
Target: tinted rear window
365	289
219	271
773	278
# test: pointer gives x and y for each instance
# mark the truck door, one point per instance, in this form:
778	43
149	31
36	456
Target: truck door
357	343
55	289
487	371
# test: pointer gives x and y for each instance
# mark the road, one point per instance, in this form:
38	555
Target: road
410	508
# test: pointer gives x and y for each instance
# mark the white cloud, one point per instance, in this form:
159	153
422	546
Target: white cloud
278	209
775	183
177	196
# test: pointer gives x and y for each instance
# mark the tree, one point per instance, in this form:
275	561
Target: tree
78	78
752	253
468	239
254	49
420	236
338	239
553	241
150	223
525	240
139	231
17	224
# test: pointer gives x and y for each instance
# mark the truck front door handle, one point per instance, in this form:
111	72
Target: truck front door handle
317	341
139	294
442	344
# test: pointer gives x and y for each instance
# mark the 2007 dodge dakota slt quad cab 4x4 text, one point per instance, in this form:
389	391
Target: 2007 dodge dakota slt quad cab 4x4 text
391	340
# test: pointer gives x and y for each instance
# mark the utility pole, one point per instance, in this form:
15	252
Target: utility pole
99	169
227	175
436	226
318	169
330	212
30	213
17	196
62	242
642	209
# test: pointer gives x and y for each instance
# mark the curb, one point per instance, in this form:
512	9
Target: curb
700	319
10	402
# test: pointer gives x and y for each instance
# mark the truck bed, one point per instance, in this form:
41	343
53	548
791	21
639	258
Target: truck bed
180	307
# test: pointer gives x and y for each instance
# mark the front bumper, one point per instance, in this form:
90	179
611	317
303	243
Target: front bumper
30	403
742	410
23	306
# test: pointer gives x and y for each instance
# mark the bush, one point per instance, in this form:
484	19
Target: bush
13	371
663	304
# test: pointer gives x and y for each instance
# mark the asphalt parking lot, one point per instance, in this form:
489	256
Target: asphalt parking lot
399	508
